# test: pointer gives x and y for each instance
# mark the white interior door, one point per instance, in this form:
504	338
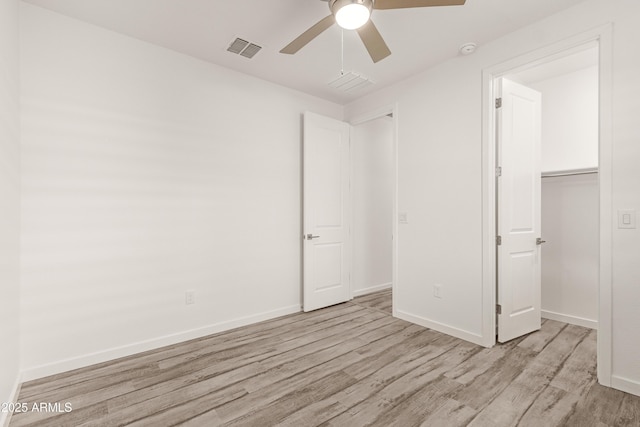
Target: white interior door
326	206
519	210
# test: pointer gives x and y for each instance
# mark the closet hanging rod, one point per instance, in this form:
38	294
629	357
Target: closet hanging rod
569	172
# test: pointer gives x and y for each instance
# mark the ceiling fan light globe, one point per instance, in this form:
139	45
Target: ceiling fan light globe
352	16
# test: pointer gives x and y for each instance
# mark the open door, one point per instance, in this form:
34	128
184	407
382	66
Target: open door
519	210
326	212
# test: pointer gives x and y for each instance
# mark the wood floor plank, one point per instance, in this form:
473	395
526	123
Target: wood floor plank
486	386
511	404
600	406
208	419
348	365
450	414
479	363
427	343
417	408
552	407
395	392
537	341
629	412
579	371
334	361
378	301
157	407
273	413
322	410
278	369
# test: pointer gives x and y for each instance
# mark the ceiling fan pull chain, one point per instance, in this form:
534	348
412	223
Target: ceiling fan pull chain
342	52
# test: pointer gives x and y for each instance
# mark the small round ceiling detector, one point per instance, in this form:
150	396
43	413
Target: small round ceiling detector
468	48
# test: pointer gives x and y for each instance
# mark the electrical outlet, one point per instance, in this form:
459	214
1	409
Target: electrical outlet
190	297
437	291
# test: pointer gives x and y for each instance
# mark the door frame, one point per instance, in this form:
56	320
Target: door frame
358	120
603	35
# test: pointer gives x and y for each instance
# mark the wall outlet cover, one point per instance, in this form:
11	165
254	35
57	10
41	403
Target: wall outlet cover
190	297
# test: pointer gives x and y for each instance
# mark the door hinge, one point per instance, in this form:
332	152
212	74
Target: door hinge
498	240
498	102
498	309
498	171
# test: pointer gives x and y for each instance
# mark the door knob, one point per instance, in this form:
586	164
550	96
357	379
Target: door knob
539	241
311	236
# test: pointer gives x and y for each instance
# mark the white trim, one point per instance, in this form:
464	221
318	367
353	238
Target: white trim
371	289
603	35
489	231
625	384
567	318
605	177
152	344
5	417
440	327
371	115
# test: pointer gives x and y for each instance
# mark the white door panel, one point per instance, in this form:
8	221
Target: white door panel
326	206
519	210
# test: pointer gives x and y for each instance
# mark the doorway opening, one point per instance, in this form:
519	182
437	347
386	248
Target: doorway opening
373	178
601	38
569	184
335	252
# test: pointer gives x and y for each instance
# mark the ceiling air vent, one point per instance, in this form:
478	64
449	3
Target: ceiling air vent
244	48
350	82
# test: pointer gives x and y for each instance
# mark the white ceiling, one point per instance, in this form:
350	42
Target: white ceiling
418	38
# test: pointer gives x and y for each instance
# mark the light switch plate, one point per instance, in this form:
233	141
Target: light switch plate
403	218
627	218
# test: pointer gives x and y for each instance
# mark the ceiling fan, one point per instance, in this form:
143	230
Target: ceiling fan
355	15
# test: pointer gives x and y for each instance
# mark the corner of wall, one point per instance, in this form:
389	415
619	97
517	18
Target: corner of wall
5	417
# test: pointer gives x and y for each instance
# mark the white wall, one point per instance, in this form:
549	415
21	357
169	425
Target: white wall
570	222
9	202
440	159
570	120
147	173
372	154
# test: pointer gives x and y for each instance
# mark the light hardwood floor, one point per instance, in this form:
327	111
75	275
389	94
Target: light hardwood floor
347	365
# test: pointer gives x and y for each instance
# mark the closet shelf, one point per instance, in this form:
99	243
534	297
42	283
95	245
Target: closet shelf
569	172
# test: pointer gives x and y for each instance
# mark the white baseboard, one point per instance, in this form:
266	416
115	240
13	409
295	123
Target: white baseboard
573	320
5	417
371	289
625	384
440	327
139	347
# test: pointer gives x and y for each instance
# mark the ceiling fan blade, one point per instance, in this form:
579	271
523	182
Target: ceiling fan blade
373	41
401	4
309	35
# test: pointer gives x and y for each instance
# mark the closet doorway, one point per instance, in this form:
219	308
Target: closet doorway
602	37
373	201
547	131
569	184
547	194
